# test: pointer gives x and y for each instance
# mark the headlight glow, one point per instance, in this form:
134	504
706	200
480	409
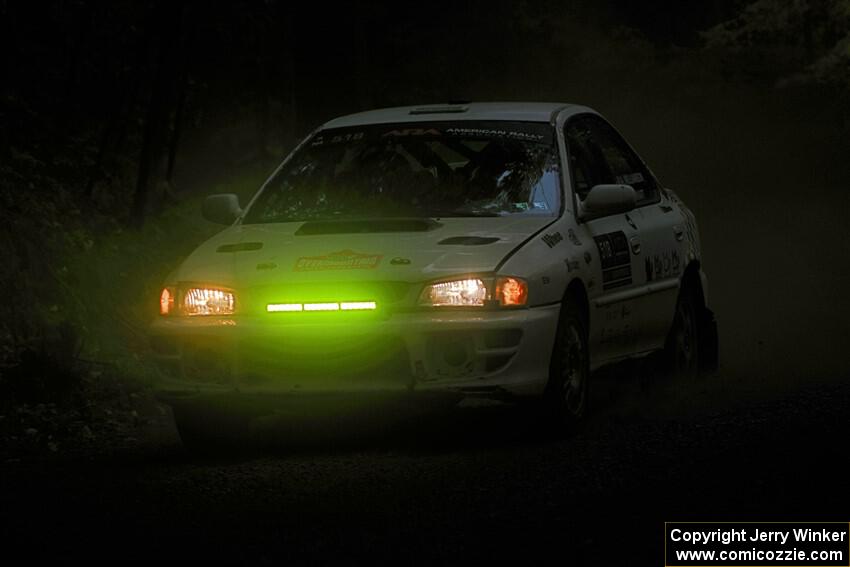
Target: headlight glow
458	293
208	301
476	292
511	291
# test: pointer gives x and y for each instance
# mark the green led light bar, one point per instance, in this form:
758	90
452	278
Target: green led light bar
282	307
358	305
321	307
332	306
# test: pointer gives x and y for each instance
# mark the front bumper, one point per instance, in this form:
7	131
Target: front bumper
466	352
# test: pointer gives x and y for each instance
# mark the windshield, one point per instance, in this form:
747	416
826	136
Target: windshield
431	169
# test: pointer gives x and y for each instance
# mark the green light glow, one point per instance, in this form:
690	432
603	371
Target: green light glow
334	306
358	305
283	307
321	307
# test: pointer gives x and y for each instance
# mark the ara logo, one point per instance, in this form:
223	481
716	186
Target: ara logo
413	132
552	239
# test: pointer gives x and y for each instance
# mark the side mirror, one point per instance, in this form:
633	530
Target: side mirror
221	209
604	200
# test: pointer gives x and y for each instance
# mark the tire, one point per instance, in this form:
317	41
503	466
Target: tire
681	351
709	343
566	395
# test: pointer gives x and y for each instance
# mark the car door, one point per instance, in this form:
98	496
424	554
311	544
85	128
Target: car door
656	245
617	272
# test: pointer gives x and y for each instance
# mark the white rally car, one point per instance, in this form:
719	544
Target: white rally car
480	249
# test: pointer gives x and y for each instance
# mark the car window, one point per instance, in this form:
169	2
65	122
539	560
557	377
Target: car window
430	169
598	155
588	165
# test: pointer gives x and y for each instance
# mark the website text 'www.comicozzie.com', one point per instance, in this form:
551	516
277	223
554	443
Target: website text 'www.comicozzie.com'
757	544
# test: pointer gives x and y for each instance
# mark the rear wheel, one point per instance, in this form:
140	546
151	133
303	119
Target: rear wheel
566	395
682	347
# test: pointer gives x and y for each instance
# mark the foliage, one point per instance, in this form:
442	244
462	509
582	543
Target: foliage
808	39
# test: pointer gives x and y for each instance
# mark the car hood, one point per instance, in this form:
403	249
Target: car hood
404	250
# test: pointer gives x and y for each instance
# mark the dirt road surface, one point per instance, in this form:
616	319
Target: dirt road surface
479	482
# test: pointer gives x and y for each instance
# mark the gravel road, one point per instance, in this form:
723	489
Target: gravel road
481	482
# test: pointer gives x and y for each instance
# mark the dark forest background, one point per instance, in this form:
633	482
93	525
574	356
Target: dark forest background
117	118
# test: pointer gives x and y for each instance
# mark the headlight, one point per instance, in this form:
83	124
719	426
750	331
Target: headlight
208	301
196	301
476	292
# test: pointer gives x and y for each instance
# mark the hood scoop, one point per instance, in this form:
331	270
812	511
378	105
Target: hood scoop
468	240
311	228
240	247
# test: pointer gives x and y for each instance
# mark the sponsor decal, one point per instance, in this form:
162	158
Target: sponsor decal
615	259
495	133
342	260
630	178
552	239
266	266
400	261
520	131
321	139
663	265
412	132
619	312
571	234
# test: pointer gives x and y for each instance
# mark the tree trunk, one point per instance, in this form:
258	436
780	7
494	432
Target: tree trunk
183	88
361	58
174	143
115	130
156	108
292	76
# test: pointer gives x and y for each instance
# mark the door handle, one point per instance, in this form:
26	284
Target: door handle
678	232
634	241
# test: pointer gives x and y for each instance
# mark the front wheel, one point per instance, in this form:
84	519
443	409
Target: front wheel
566	395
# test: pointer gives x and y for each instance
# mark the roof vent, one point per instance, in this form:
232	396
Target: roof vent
448	109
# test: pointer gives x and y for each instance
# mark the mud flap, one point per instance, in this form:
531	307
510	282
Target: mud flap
709	357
